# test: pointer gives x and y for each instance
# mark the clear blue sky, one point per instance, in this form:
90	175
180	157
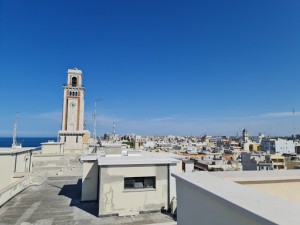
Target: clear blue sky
161	67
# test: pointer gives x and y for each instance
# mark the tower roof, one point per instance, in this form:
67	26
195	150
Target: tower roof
74	71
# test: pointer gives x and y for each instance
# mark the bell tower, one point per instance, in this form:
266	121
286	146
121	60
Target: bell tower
72	131
245	135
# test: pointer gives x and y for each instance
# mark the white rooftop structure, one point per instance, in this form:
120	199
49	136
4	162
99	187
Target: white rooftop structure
118	175
241	197
133	157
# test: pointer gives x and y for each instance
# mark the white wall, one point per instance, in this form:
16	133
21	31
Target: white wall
7	166
15	162
173	169
23	162
53	148
48	160
11	190
89	181
195	207
280	146
114	199
284	146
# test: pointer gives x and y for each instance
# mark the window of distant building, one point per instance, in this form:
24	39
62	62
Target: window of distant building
139	182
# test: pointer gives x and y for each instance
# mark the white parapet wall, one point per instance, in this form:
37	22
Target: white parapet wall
48	160
220	198
15	172
13	189
14	160
7	167
21	183
52	147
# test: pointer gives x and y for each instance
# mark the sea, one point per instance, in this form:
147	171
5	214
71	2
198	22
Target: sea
26	141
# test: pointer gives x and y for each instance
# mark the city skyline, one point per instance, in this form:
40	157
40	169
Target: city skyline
160	67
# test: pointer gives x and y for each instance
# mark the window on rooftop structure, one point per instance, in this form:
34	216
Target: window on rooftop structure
74	81
139	182
128	183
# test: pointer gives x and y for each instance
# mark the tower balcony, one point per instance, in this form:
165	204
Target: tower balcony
70	86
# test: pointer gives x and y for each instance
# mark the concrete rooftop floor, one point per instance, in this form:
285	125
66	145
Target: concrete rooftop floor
57	201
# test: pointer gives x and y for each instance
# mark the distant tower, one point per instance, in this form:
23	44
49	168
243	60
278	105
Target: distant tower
72	132
245	135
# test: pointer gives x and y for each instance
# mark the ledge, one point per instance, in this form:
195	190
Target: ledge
139	190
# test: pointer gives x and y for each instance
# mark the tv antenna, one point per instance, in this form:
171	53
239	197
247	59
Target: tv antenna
95	118
294	134
15	144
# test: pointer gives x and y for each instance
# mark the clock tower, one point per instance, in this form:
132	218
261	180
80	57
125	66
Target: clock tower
72	132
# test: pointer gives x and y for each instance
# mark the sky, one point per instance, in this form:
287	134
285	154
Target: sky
160	67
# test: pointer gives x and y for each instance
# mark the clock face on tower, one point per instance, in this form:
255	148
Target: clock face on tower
72	115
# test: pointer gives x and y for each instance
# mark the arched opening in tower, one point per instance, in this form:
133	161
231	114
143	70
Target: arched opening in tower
74	81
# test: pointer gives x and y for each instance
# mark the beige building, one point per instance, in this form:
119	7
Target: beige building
278	162
241	197
129	182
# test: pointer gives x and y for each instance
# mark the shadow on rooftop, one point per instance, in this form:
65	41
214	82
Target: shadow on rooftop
73	191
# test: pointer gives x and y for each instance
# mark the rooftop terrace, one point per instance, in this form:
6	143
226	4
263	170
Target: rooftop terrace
58	202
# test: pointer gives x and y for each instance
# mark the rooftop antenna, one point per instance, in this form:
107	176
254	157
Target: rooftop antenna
114	131
58	139
85	125
294	124
95	119
15	144
114	128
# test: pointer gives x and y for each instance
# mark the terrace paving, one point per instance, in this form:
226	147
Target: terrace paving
57	201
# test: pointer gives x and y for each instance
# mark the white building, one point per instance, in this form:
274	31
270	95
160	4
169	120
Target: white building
128	182
258	139
72	132
281	146
149	144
